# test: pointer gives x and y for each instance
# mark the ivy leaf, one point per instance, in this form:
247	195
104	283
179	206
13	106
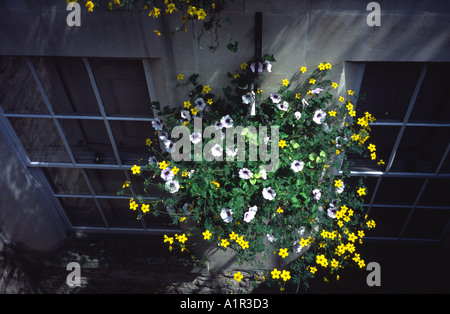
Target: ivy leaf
232	45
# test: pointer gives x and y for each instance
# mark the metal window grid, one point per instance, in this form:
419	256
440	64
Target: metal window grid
120	166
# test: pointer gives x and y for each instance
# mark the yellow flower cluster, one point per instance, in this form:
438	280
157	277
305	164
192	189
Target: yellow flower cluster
180	238
285	274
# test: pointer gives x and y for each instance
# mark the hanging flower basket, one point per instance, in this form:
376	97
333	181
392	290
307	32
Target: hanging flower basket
263	176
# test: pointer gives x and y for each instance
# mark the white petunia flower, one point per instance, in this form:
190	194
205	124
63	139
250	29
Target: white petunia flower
227	215
167	174
200	103
250	214
317	194
319	116
169	146
157	124
260	67
245	174
217	150
340	189
248	98
304	103
283	106
331	211
195	137
152	160
297	165
185	115
172	186
268	66
298	115
227	121
218	125
276	98
269	193
316	91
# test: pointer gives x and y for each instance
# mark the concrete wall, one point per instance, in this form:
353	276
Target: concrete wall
298	33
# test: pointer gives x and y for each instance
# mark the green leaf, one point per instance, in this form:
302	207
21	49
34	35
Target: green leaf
252	181
232	45
312	156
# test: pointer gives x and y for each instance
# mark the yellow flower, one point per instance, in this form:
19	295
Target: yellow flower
133	205
163	165
381	162
225	243
217	184
182	238
238	276
206	89
286	82
338	183
361	191
244	66
275	273
185	174
126	184
303	69
180	77
297	96
192	10
321	260
187	104
168	239
148	141
361	263
350	92
158	33
352	237
327	65
282	143
210	101
201	14
373	156
182	219
303	242
313	270
361	234
194	111
352	113
321	66
341	99
334	85
286	275
279	210
334	263
371	147
170	8
156	12
145	208
283	253
312	81
233	236
90	6
136	169
207	235
332	113
175	170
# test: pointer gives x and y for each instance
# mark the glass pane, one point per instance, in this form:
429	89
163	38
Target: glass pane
433	100
106	182
389	221
82	212
427	223
89	141
421	149
398	191
19	92
436	193
119	214
122	86
383	137
387	88
67	85
67	181
131	138
40	139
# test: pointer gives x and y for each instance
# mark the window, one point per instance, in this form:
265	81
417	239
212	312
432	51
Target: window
84	123
409	196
